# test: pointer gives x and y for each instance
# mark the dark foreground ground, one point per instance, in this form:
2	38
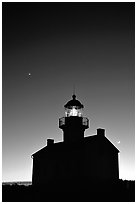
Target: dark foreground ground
121	191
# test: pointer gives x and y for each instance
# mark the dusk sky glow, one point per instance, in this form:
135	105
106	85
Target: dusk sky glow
49	47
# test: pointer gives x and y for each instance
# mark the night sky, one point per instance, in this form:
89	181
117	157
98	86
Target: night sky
48	47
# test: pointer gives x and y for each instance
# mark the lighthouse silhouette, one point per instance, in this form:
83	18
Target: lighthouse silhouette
77	160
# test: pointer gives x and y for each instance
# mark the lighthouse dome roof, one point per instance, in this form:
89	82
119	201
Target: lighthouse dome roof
74	102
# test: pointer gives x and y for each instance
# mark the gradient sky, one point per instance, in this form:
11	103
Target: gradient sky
90	45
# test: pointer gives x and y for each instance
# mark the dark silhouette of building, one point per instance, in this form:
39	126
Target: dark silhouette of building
77	158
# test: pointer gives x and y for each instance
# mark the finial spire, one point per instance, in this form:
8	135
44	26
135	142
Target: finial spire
73	89
74	96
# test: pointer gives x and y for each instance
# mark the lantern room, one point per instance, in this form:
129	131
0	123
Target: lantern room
73	107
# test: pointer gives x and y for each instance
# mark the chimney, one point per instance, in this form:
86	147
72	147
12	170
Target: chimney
50	142
100	132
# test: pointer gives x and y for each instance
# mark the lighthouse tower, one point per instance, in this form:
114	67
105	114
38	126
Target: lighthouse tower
73	124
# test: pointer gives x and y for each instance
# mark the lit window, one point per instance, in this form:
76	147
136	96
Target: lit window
74	111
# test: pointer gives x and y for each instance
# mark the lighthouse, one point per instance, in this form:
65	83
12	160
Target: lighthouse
76	158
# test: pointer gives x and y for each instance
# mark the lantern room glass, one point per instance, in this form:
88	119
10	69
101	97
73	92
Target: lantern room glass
73	111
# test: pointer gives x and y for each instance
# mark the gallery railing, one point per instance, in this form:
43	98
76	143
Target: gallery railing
85	122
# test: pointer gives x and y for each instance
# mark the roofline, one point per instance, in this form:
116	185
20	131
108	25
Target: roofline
106	138
84	137
38	151
113	144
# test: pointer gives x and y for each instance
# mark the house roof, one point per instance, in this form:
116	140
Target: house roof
96	143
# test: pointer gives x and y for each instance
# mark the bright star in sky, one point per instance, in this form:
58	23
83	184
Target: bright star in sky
118	142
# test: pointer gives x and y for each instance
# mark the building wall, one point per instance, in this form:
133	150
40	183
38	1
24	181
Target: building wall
44	170
100	164
79	162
